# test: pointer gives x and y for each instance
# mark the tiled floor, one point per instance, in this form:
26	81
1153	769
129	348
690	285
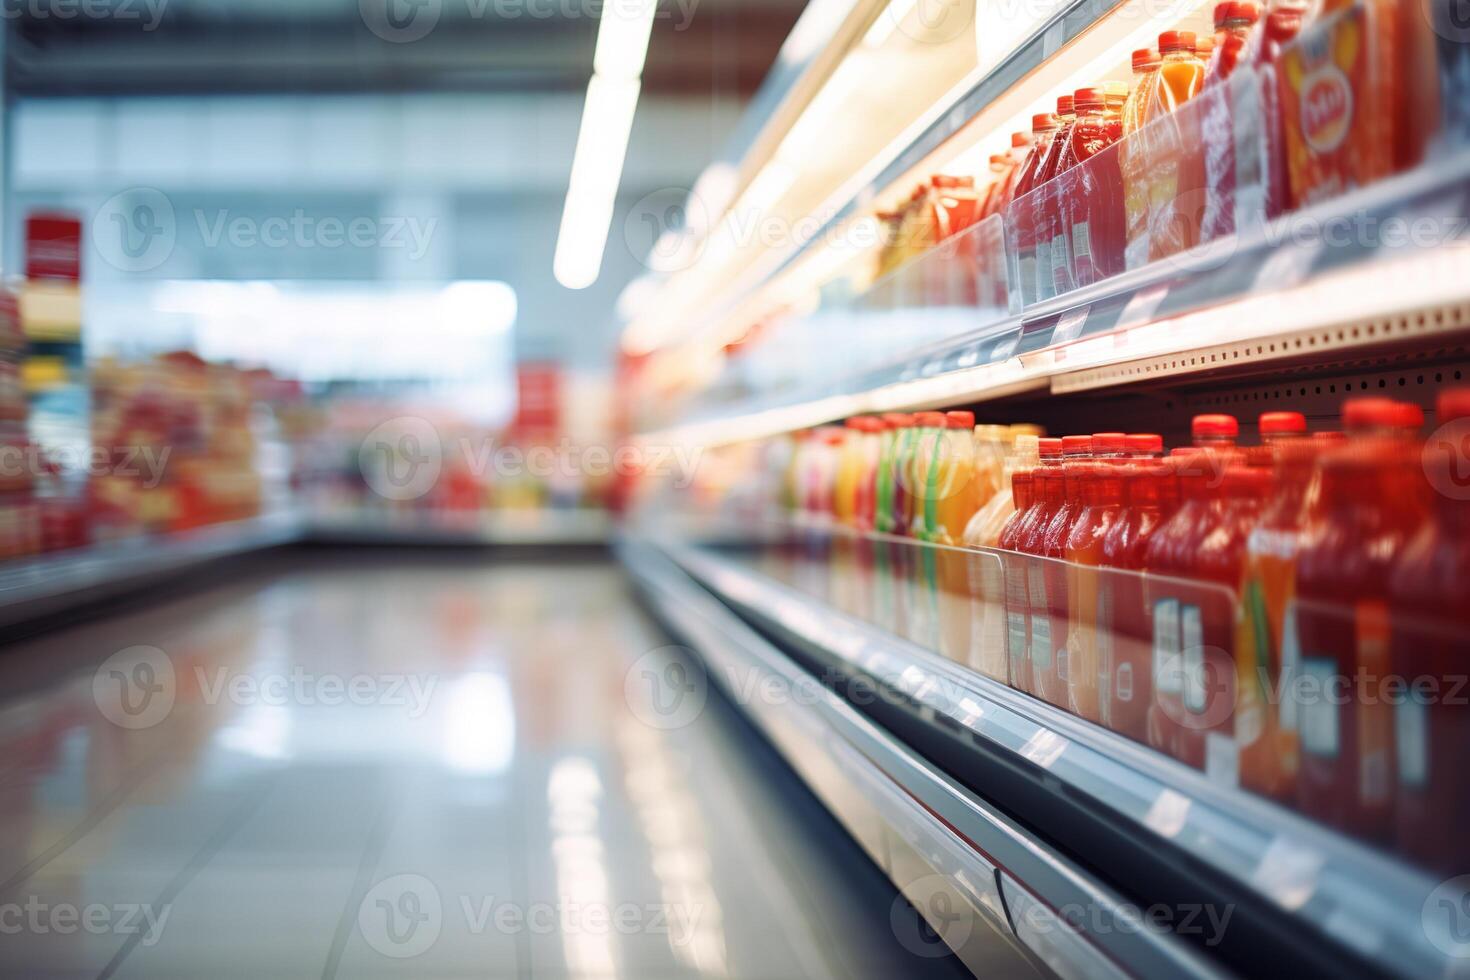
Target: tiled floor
387	764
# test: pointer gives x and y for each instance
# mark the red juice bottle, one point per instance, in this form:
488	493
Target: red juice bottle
1125	628
1214	431
1031	246
1266	654
1171	598
1207	733
1048	579
1044	494
1430	620
1021	147
1093	211
1144	445
1102	506
1053	258
1277	427
1346	776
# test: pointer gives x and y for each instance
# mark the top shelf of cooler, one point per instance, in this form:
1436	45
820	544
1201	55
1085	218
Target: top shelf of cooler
1382	265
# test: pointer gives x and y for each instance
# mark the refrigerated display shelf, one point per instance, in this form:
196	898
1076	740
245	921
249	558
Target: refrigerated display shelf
1287	292
48	584
1364	904
968	868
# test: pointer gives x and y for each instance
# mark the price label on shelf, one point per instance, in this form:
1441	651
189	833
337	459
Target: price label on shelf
1069	327
1142	307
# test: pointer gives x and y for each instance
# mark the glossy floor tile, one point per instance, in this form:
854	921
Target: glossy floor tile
389	764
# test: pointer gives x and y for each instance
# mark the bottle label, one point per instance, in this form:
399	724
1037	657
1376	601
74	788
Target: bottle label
1319	720
1082	240
1040	620
1411	737
1167	679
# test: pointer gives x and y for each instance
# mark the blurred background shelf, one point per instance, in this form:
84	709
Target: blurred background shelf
511	527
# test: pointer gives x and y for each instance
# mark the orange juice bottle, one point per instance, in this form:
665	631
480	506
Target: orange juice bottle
957	491
984	528
1181	73
848	472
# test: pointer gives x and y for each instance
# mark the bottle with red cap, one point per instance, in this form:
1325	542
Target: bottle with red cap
1430	620
872	430
1048	579
1102	505
888	491
1371	505
1134	157
1169	596
1207	726
929	432
1174	147
1125	628
1266	654
1019	537
1032	248
1053	257
848	471
1092	197
956	489
1144	445
1022	145
1279	427
1215	431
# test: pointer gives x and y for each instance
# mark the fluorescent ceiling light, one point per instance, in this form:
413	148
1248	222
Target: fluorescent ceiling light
597	168
602	141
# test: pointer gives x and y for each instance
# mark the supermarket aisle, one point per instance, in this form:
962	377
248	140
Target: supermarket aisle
407	766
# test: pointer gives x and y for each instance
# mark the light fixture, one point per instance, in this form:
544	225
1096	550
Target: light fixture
602	141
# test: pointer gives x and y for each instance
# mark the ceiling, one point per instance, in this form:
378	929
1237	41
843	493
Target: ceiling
504	60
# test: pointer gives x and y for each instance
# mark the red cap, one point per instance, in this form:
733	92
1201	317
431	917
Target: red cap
960	420
1283	25
1019	140
1170	41
898	420
1371	413
1065	106
857	422
1283	423
1214	425
930	420
1223	12
1145	442
1088	98
1076	445
832	434
1408	416
1144	59
1043	121
1108	442
1246	10
1049	446
1452	404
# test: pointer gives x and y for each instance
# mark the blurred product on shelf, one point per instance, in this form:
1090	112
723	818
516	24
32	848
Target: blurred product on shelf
1207	604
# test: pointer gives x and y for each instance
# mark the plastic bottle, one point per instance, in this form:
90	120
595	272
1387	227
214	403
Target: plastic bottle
1181	73
1237	21
873	430
1093	233
1282	27
1033	242
1277	427
848	472
1430	620
956	491
1102	505
1057	151
1000	167
1045	493
1125	627
1214	431
924	466
1021	147
984	529
1346	777
1048	579
1144	445
888	499
1145	75
1266	654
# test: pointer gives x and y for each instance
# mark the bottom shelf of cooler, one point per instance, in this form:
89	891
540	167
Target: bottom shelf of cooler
875	618
1005	902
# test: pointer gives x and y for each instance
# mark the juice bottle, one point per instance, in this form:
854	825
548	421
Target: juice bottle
872	431
1266	655
1033	245
1125	628
1093	208
1021	147
1048	579
1232	37
792	498
1056	151
1000	166
985	527
1279	427
903	462
1346	776
1430	619
1207	736
1133	158
1145	74
1102	505
1053	256
887	502
1174	148
956	495
848	472
930	427
1281	28
994	445
1040	494
1170	597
